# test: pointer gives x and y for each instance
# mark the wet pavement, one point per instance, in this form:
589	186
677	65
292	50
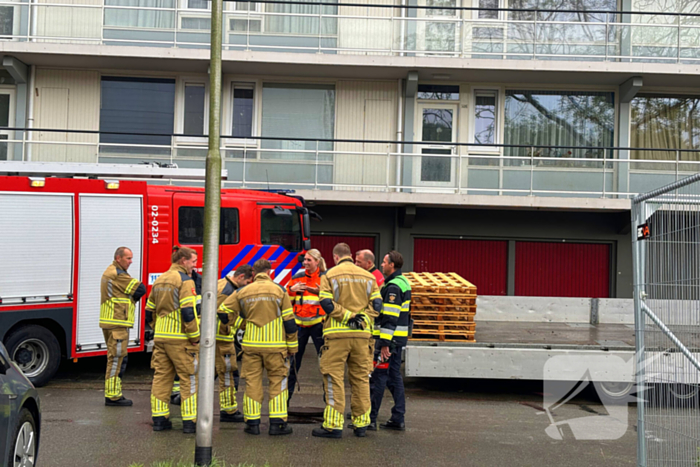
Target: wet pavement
449	422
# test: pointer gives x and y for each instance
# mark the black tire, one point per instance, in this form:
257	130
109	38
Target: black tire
614	393
36	351
26	425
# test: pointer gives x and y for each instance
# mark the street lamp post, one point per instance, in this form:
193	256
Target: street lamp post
210	269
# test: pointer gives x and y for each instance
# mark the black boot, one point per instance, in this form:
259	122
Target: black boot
175	398
161	424
323	433
277	429
392	425
236	417
188	426
122	402
372	426
360	432
252	429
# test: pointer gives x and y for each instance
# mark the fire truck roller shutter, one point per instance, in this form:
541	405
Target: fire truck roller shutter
106	223
37	239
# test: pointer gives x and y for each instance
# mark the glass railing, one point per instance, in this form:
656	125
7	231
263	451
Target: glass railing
392	167
375	30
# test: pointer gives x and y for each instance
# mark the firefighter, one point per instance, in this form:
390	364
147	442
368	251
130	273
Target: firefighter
270	337
226	367
119	294
365	259
391	331
172	306
303	290
351	300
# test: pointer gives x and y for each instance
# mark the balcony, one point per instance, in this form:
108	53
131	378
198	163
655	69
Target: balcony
375	30
338	169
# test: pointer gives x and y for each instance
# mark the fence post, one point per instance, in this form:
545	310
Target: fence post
639	323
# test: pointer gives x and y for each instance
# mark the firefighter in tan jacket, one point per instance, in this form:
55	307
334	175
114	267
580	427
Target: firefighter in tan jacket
351	300
226	349
171	312
270	338
119	294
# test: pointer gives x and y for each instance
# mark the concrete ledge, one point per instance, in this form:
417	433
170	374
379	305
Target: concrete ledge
465	201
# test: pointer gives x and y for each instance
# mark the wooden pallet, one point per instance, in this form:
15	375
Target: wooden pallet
446	336
439	283
443	300
443	326
438	315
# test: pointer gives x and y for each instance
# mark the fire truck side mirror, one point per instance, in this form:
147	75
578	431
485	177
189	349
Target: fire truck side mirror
307	247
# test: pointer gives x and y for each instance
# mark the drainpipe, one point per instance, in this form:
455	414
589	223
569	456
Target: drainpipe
399	133
30	112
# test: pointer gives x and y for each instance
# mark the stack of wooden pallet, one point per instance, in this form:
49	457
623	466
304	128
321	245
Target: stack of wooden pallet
443	306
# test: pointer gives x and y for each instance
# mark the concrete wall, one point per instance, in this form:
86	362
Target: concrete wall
487	224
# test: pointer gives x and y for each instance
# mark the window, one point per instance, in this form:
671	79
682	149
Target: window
438	92
485	117
191	226
488	14
281	226
194	109
578	119
665	121
301	19
297	111
243	104
152	14
4	122
137	105
7	14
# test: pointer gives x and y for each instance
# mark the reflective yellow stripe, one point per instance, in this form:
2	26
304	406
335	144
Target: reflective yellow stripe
375	295
400	333
308	321
130	288
251	408
287	312
270	335
159	408
383	335
188	301
224	309
325	295
107	312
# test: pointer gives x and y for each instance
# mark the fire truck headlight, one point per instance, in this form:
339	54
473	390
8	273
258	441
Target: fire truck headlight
112	184
36	182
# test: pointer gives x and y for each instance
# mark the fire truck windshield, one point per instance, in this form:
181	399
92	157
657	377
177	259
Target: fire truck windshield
281	226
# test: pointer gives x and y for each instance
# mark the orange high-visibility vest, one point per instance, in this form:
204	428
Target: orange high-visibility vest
307	306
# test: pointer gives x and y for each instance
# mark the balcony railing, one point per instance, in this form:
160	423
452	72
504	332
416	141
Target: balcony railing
390	30
609	172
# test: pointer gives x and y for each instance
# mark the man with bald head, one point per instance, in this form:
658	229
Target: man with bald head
365	260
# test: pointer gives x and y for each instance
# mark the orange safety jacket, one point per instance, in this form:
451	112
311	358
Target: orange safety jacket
307	306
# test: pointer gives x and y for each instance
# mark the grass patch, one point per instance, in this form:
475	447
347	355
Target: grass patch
181	463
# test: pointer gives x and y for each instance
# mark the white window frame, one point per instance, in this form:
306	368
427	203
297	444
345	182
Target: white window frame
498	93
227	119
181	84
419	145
12	92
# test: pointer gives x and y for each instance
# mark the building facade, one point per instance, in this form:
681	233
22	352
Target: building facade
501	139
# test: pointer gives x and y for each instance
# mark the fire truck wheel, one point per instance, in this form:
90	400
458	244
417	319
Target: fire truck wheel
36	351
615	393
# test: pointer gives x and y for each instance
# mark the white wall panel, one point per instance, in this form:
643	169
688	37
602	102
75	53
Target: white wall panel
36	234
106	223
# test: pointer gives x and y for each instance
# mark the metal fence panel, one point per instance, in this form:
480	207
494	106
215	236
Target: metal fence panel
666	255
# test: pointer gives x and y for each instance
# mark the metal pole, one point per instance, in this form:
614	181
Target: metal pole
639	321
210	269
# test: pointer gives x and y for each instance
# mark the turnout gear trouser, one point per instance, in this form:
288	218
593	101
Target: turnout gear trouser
277	368
225	368
314	332
357	353
117	341
170	359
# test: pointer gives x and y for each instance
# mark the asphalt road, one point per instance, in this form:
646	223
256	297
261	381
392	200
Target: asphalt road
449	422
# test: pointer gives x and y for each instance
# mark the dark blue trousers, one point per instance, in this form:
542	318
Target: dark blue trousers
314	332
391	378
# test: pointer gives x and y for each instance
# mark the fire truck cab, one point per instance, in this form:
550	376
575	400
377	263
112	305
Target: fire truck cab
60	234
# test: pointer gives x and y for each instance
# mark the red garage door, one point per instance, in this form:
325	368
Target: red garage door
325	244
481	262
562	269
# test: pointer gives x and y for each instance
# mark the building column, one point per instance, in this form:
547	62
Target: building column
411	89
627	91
626	36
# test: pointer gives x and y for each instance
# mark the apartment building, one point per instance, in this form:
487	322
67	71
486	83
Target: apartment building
501	139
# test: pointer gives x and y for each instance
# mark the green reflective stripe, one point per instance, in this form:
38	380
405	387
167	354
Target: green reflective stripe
191	301
130	288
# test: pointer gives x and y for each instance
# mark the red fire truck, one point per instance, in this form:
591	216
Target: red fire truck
60	234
